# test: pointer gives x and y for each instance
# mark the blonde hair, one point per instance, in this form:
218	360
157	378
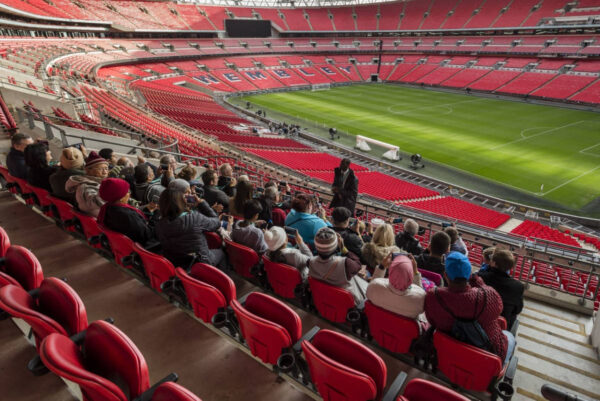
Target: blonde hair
384	235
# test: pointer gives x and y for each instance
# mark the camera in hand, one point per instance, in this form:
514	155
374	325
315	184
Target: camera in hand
290	231
191	199
164	166
397	220
199	190
445	224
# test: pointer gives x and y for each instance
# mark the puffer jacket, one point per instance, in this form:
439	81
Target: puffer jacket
373	254
85	188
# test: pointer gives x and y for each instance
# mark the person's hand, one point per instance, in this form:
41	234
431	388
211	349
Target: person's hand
152	207
230	221
363	272
322	213
233	182
287	188
356	228
83	151
261	223
217	207
299	239
141	159
387	261
369	228
340	241
414	264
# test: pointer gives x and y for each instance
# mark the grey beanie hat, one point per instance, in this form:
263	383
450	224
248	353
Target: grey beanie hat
179	185
326	240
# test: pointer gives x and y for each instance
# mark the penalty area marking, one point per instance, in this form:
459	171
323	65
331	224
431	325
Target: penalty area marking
585	151
391	108
523	138
569	181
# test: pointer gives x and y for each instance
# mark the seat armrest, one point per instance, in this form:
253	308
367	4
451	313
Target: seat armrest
79	337
511	369
2	261
308	336
242	300
515	327
394	390
147	395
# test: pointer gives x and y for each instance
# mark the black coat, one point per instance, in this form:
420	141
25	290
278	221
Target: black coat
346	194
214	195
510	290
431	263
15	162
40	177
58	181
128	222
352	240
409	243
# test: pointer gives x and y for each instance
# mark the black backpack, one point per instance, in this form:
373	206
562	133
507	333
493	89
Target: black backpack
469	330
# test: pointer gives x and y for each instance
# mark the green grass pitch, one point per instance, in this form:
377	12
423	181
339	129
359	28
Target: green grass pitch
521	145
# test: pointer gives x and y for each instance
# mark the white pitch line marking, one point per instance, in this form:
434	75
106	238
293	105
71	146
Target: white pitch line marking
569	181
584	151
523	138
390	108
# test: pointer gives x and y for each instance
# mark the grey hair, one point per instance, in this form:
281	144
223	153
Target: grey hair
271	193
411	227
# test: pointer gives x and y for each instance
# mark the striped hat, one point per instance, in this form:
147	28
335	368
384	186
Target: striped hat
94	159
326	241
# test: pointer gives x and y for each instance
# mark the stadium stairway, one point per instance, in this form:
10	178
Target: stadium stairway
510	225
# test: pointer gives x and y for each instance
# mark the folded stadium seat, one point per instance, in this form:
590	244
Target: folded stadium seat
208	290
267	325
213	240
64	213
11	184
157	268
20	266
170	391
344	369
4	242
284	279
24	190
242	258
89	227
41	200
391	331
332	303
111	368
121	246
473	368
424	390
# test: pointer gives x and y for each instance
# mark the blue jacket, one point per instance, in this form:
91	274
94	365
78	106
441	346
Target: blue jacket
306	224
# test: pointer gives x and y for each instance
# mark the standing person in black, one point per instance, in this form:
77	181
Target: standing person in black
511	290
344	187
433	257
341	225
15	160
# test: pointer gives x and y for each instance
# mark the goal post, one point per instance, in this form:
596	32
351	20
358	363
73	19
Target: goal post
392	152
320	87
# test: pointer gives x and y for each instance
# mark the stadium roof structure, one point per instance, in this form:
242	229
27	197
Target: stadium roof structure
284	3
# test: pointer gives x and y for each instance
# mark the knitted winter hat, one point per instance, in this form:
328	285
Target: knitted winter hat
94	159
401	272
179	185
113	189
457	266
275	238
71	158
326	241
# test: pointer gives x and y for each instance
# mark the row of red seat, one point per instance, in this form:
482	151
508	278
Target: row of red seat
533	229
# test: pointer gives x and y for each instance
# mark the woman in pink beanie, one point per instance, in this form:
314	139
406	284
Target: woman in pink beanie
401	293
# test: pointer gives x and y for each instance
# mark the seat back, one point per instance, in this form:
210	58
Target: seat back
343	369
41	196
170	391
4	242
59	301
9	179
331	302
89	226
391	331
64	208
432	276
207	289
267	325
282	278
213	240
22	265
465	365
424	390
25	189
5	279
241	257
120	245
111	354
63	357
158	269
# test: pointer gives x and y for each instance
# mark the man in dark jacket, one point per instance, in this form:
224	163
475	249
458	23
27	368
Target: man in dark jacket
15	160
510	290
432	260
212	194
227	181
344	187
406	240
341	225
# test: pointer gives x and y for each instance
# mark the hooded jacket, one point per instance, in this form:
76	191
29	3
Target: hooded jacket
85	188
58	182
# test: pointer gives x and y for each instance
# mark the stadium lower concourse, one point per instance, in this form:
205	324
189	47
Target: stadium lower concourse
338	200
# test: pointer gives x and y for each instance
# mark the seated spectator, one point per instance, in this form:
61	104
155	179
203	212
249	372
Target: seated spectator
302	219
486	256
433	258
227	183
456	242
37	158
15	160
216	198
188	173
85	187
244	192
181	228
108	155
269	201
406	239
341	225
380	246
339	270
279	251
401	293
146	189
167	162
468	298
245	232
117	215
511	291
71	164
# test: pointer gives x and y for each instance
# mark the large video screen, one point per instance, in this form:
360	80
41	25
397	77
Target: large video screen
248	28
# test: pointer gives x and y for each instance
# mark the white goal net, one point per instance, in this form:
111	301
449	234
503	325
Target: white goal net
320	87
392	152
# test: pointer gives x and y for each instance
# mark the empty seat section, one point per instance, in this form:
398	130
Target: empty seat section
309	161
319	19
493	80
563	86
295	19
438	76
516	13
366	17
414	12
526	83
591	94
533	229
489	11
390	15
462	13
343	18
438	14
465	77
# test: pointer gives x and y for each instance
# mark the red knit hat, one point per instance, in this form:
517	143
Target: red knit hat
94	159
113	189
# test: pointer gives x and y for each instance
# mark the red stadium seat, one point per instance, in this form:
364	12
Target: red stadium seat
268	325
65	216
343	369
25	190
213	240
111	368
41	199
89	227
333	303
57	308
423	390
207	288
4	242
391	331
283	278
242	258
121	246
174	392
20	265
157	268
